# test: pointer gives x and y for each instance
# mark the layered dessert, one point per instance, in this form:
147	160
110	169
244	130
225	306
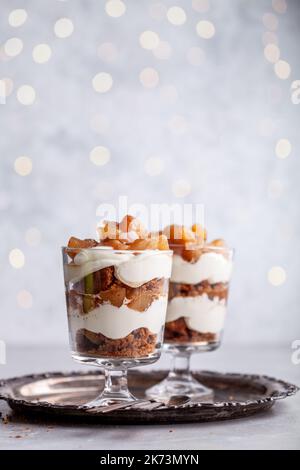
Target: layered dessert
198	287
117	291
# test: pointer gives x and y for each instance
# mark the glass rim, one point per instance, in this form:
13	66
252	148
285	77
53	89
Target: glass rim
112	250
196	246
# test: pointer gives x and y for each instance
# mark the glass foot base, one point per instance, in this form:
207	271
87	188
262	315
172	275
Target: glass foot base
115	390
109	396
175	386
109	400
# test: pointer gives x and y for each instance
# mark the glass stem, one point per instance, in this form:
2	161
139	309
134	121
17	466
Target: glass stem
180	367
115	381
115	389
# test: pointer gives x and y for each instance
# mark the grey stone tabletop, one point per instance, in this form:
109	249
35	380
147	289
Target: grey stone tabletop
278	428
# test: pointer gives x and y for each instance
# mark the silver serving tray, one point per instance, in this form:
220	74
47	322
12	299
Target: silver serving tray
60	395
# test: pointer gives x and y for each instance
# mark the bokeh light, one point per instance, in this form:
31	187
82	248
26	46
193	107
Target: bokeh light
283	148
115	8
154	166
63	28
272	53
149	77
205	29
17	17
41	53
24	299
102	82
23	166
270	21
13	47
149	40
17	258
176	16
276	276
26	95
282	69
100	155
280	6
181	188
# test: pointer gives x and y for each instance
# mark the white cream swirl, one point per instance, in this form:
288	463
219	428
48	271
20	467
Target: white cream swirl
200	313
115	323
212	267
132	269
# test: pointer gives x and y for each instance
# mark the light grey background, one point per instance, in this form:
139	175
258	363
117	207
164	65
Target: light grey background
234	108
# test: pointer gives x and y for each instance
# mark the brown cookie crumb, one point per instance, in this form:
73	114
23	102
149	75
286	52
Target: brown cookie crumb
178	332
219	290
5	419
139	343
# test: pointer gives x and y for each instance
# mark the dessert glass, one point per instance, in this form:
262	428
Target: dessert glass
196	313
116	305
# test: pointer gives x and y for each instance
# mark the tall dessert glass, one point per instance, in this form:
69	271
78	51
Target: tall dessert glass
116	305
195	316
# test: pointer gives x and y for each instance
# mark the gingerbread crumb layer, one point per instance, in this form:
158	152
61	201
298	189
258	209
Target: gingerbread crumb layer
177	331
219	290
139	343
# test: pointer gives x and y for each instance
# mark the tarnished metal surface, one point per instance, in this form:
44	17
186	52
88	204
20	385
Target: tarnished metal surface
62	394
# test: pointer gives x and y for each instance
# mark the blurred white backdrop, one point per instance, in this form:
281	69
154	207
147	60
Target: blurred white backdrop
169	101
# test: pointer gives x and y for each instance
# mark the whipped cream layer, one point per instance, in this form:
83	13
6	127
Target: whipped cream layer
133	270
200	313
117	323
212	267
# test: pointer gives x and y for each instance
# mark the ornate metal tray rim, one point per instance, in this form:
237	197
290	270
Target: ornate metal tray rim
222	409
289	389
